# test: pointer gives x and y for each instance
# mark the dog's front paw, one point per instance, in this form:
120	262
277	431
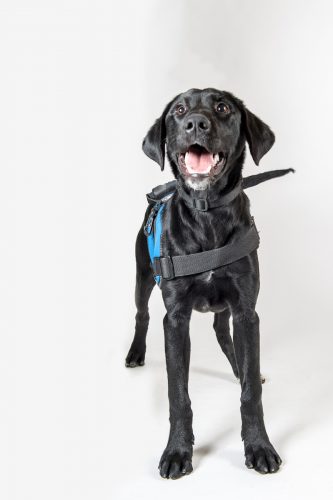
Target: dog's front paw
262	457
175	464
135	356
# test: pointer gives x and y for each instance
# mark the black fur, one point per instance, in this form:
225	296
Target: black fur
231	290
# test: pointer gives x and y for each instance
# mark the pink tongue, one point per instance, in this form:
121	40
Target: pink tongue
198	162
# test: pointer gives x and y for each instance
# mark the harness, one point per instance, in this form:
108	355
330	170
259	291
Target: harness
169	267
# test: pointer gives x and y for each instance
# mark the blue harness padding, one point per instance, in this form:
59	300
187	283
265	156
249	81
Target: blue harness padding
153	231
154	225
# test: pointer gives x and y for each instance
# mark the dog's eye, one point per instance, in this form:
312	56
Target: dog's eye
223	108
180	109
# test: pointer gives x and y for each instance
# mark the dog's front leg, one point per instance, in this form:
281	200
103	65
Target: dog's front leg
259	452
176	460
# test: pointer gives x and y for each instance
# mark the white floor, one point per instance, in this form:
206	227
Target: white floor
77	425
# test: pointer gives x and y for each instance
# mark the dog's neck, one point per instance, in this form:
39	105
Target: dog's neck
221	193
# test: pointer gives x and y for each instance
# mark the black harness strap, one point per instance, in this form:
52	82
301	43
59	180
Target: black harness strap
201	201
254	180
185	265
161	191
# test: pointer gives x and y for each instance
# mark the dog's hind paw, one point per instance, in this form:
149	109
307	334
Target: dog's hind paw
175	464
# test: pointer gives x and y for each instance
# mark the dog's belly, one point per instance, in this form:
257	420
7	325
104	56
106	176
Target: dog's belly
208	296
205	306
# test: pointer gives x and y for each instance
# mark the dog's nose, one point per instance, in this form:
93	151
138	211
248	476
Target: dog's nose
197	123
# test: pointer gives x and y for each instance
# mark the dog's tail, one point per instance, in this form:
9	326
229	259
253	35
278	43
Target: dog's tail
253	180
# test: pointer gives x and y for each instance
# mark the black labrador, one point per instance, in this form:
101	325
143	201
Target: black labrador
204	133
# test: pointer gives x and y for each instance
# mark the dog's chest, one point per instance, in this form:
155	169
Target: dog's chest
209	276
185	234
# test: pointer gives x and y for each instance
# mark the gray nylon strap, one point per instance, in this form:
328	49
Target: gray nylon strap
201	201
185	265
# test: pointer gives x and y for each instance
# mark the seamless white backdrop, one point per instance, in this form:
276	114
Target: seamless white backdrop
81	82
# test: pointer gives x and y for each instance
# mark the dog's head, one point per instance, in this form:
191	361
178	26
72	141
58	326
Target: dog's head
204	134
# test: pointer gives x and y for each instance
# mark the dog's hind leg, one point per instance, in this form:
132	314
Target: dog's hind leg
222	330
144	285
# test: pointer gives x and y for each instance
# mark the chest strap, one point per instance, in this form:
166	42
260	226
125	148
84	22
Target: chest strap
185	265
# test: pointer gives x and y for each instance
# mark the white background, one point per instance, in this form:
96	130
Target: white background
81	82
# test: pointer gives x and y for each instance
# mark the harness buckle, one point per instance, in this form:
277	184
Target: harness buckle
200	204
163	266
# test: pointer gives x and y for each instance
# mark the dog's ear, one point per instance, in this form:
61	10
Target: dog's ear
153	144
259	136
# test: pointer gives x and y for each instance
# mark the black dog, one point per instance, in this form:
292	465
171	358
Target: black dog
204	133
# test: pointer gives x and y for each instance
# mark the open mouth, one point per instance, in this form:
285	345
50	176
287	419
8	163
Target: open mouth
197	161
